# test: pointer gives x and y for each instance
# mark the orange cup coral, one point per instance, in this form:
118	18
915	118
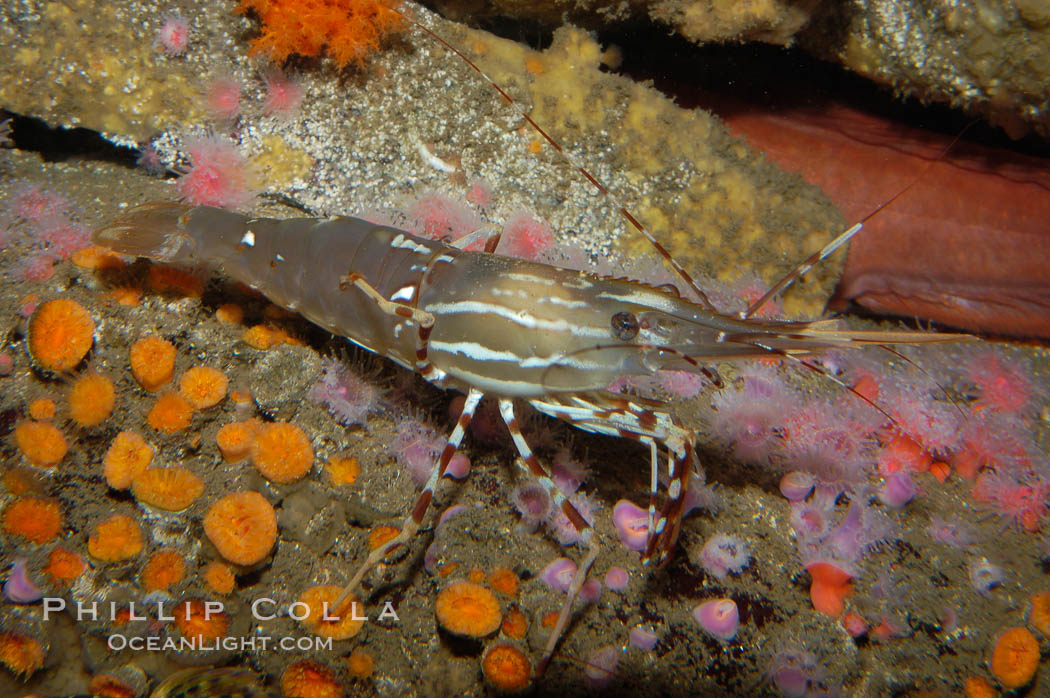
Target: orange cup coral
170	489
164	569
42	409
229	313
261	337
91	399
1015	658
309	679
109	686
506	668
320	605
61	333
128	455
96	257
343	470
282	452
979	687
235	439
63	566
1039	613
36	519
504	580
20	653
164	279
219	578
170	413
203	387
265	337
117	538
515	625
41	444
468	610
380	535
204	625
360	664
152	362
242	527
128	296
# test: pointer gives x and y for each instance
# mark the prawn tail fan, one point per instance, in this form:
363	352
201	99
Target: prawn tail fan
154	230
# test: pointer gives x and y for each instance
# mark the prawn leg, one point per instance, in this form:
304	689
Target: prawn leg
531	464
413	521
423	319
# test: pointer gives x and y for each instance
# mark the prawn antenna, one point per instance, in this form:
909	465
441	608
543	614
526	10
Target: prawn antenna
566	157
827	250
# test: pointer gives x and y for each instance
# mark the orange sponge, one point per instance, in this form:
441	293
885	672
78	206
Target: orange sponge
347	30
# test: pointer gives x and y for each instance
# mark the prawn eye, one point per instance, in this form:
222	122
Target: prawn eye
624	326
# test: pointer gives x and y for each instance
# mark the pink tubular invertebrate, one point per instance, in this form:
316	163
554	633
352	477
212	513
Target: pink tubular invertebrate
224	98
643	638
718	617
632	523
616	578
347	396
217	176
600	666
283	95
723	554
559	574
19	587
1002	385
173	37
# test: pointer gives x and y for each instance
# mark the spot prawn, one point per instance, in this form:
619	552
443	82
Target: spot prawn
485	324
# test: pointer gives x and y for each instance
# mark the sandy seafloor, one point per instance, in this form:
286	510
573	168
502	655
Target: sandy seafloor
364	166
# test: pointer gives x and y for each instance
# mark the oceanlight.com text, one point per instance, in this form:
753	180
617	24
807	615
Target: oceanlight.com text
258	643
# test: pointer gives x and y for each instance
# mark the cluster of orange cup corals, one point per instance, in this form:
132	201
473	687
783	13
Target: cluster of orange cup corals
472	608
60	337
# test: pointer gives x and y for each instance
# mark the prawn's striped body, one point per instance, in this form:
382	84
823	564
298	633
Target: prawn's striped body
296	263
487	324
504	326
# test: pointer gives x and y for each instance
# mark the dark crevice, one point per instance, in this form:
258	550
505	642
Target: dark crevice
534	34
719	76
762	76
59	143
